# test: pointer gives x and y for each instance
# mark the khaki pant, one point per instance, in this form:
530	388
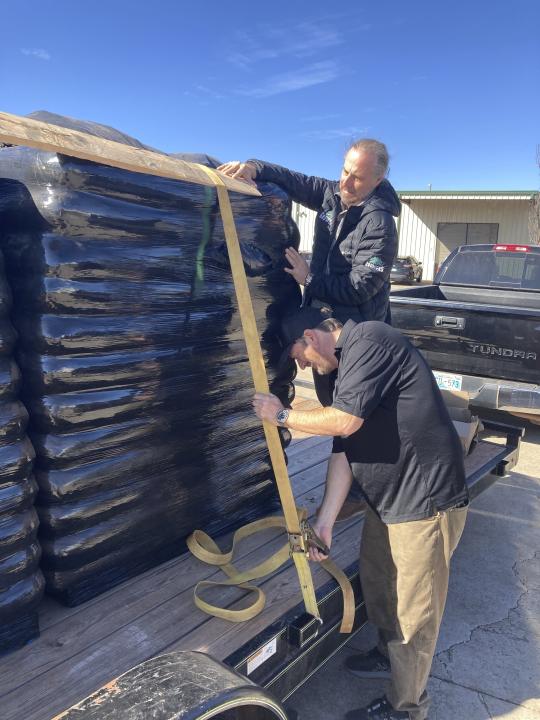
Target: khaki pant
404	569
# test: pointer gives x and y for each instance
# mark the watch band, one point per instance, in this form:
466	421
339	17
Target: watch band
309	278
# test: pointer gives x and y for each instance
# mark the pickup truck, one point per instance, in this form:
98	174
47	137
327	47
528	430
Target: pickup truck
478	326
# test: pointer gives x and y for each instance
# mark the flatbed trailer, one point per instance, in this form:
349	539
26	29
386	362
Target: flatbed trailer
177	662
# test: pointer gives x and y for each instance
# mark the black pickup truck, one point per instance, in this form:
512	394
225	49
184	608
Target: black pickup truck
478	326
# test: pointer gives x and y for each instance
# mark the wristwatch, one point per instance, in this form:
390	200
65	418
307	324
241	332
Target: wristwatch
309	278
282	415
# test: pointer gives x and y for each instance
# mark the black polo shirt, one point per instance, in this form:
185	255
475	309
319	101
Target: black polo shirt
407	456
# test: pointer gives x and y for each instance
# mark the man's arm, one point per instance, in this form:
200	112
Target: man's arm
338	483
307	190
367	274
322	421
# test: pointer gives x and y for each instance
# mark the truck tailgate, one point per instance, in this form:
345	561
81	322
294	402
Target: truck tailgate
473	338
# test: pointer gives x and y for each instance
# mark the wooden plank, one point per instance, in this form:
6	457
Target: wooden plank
16	130
83	670
303	445
317	454
305	394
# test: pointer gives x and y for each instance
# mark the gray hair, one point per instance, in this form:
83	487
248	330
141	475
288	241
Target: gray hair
329	325
378	149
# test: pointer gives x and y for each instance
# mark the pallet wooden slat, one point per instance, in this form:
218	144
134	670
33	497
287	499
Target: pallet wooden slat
16	130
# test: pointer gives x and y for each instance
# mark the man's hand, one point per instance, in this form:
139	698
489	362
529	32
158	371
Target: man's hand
239	170
266	407
299	268
324	532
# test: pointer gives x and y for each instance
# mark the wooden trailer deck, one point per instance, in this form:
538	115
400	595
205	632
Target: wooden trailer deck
82	648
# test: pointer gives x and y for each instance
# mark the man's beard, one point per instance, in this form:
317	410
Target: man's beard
323	369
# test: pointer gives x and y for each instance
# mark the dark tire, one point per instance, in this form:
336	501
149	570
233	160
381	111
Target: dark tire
419	278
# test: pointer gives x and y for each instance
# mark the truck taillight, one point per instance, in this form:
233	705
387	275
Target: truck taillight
511	248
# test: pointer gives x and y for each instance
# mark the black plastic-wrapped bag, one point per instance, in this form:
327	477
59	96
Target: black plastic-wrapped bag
135	369
21	581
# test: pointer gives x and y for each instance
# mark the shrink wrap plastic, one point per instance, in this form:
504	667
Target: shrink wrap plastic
21	581
135	371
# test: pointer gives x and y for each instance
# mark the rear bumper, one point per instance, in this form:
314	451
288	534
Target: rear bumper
501	395
401	277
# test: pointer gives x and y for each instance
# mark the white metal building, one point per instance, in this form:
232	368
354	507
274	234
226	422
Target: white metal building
434	223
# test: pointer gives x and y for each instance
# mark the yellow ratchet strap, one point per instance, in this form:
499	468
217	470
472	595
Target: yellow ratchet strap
296	547
206	550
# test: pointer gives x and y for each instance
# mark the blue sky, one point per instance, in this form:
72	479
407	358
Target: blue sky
452	88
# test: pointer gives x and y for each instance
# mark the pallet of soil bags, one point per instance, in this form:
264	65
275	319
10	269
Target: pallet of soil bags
134	366
21	581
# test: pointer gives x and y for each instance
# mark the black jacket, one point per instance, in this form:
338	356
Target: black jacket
351	272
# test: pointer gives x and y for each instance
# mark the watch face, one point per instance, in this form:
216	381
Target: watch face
282	416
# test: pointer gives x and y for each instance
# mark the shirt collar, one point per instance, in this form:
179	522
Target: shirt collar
344	334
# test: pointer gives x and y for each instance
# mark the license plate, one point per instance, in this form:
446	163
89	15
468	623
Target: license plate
446	381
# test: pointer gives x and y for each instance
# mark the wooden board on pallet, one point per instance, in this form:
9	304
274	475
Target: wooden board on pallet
16	130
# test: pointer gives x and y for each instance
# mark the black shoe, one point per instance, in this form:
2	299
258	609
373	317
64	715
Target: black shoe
369	665
379	709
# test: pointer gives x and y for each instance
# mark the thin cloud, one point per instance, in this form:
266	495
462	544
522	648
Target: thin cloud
349	132
39	53
315	74
209	92
268	43
320	118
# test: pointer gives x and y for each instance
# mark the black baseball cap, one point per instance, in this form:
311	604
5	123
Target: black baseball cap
293	326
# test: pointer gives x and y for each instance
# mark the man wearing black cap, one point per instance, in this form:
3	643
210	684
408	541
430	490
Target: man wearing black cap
394	437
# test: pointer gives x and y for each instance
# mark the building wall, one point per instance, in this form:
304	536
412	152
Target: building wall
419	220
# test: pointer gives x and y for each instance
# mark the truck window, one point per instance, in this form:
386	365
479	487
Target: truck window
487	268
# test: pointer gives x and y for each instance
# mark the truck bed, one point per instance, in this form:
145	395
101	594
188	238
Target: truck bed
483	332
496	297
80	649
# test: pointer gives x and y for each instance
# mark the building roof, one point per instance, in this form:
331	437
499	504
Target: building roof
467	194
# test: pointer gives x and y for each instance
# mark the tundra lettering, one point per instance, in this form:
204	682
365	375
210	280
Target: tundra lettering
503	352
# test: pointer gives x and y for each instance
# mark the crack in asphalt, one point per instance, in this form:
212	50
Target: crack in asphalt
481	693
490	626
446	657
484	703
